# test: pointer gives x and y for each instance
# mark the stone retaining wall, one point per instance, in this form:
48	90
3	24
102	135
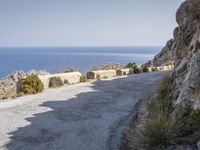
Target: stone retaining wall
101	74
122	72
161	68
71	78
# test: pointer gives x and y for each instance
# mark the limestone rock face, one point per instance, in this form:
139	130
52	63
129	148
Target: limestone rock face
8	84
184	49
164	55
186	52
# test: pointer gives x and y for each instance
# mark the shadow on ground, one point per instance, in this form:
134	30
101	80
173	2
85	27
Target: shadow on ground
83	122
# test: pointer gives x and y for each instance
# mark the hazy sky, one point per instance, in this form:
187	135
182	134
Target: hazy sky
87	22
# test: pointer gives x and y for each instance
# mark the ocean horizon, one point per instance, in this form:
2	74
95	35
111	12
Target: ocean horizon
57	59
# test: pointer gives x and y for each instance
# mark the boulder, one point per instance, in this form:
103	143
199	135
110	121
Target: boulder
8	84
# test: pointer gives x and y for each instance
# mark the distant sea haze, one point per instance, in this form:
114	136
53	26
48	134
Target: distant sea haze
57	59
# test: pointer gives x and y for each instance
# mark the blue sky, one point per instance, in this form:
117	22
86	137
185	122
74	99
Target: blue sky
87	22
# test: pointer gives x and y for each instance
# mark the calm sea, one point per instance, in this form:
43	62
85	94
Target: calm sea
58	59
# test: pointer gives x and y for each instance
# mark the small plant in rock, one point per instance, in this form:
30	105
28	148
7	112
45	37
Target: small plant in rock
98	77
83	78
169	63
154	69
145	69
31	85
191	119
157	132
133	66
55	82
66	81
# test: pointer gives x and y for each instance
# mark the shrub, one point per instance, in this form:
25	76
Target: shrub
105	77
55	82
157	132
98	77
133	66
169	63
163	127
162	100
154	69
83	78
160	128
31	85
66	81
145	69
191	118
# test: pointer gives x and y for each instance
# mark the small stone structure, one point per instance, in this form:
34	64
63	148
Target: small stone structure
161	68
122	72
69	78
101	74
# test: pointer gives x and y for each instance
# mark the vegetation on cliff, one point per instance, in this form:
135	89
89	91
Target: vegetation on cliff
161	127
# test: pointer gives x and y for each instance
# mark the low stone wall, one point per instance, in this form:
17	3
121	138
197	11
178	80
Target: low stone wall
101	74
71	78
122	72
161	68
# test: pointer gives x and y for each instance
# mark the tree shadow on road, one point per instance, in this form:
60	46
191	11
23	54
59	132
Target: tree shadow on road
81	122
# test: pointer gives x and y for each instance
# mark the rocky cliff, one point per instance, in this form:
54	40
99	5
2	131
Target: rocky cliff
8	84
184	49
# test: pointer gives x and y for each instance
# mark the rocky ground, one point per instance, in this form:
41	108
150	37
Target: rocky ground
87	116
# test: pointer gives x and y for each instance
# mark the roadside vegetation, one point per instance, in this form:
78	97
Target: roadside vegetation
133	66
83	78
165	125
145	69
31	85
55	82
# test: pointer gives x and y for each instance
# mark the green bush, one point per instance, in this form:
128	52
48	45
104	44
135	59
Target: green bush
157	132
191	118
154	69
162	127
55	82
145	69
83	78
31	85
98	77
169	63
133	66
161	102
66	81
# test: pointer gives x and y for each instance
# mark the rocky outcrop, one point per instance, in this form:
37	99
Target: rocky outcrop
40	72
184	49
8	84
108	66
164	56
186	52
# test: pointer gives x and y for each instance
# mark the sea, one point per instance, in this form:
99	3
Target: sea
58	59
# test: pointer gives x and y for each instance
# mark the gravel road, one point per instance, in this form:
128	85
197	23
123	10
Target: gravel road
87	116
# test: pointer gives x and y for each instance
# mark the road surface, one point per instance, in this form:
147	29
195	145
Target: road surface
87	116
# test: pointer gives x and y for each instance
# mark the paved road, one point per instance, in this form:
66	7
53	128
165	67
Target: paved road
86	116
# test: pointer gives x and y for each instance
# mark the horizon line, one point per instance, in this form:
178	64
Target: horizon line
80	46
